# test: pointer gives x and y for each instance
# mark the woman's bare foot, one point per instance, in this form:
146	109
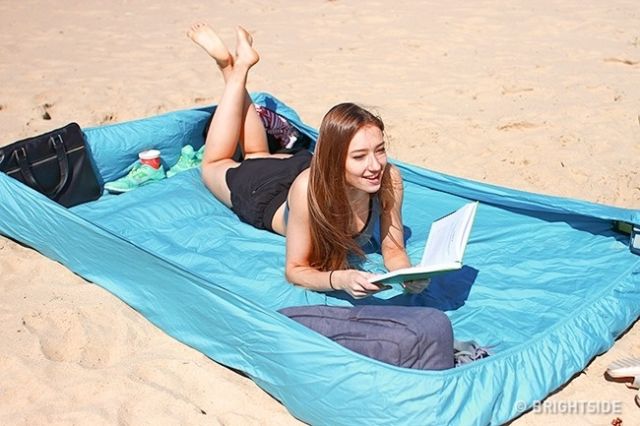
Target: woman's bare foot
245	53
204	36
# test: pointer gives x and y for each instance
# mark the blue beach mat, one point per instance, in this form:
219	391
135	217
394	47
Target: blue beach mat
548	283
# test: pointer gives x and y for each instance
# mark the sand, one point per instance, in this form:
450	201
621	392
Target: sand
542	97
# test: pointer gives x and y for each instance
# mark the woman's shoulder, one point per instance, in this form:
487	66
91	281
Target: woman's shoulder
302	179
300	186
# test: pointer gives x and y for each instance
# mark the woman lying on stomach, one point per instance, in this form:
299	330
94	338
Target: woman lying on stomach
326	205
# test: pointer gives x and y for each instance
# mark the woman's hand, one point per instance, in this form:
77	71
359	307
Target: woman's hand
416	286
354	282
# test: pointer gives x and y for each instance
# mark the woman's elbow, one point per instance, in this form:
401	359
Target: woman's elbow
295	273
289	273
396	258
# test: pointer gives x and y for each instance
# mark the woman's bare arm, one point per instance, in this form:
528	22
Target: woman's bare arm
391	228
394	252
298	269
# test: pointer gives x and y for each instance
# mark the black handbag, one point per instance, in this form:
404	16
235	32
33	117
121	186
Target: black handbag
56	164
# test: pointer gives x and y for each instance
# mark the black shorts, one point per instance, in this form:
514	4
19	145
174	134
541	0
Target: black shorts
259	186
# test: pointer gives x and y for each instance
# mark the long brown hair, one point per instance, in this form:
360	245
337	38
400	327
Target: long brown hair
331	217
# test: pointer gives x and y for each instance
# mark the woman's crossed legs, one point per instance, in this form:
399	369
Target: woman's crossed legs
236	120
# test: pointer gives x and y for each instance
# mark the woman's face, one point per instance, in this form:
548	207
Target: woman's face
366	160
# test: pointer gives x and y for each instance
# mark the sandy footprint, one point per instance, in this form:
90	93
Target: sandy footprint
196	399
22	385
7	264
93	340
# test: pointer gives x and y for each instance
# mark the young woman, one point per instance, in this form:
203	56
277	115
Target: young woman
326	204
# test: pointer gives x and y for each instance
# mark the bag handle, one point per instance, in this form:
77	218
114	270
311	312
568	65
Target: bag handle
63	162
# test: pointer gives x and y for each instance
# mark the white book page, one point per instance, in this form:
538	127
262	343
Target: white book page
415	273
444	248
448	237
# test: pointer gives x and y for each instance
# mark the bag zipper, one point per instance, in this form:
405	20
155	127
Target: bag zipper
44	160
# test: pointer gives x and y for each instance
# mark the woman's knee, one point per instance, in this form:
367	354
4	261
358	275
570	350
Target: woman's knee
214	177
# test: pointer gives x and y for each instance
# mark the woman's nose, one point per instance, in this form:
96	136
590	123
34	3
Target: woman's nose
373	164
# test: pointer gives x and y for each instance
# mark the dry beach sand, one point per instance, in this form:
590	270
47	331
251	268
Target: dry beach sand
541	96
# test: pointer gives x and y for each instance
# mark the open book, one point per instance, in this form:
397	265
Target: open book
444	248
